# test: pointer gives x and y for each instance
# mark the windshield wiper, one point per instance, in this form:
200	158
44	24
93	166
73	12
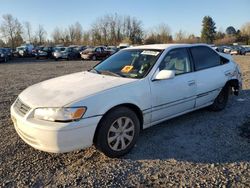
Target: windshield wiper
111	73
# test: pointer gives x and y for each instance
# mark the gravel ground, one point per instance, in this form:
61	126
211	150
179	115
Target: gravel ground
199	149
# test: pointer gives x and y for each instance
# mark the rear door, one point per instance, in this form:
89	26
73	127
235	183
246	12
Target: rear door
209	74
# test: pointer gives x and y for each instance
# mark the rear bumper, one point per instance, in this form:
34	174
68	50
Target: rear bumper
55	137
86	56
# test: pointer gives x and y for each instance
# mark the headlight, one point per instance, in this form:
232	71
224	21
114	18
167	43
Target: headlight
60	114
2	55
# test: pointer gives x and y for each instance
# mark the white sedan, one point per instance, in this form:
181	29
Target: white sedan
132	90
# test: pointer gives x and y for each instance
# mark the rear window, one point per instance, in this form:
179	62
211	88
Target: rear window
204	57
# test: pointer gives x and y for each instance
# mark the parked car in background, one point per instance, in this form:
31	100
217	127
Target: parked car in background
57	54
112	49
69	53
227	49
3	55
123	45
25	50
247	49
21	52
132	90
7	53
238	50
35	50
45	52
79	49
96	53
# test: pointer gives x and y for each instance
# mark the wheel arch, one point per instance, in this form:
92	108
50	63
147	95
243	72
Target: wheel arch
234	86
131	106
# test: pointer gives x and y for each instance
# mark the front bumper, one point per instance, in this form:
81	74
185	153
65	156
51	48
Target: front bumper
55	137
57	55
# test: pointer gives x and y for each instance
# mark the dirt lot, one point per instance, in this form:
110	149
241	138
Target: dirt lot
199	149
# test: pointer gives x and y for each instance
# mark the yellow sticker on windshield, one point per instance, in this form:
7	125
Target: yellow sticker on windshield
127	68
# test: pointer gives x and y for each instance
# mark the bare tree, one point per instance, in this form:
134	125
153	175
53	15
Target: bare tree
2	43
11	30
86	38
112	29
75	33
160	34
58	35
78	33
180	36
245	29
41	34
28	31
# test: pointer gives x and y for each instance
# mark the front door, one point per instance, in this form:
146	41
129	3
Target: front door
173	96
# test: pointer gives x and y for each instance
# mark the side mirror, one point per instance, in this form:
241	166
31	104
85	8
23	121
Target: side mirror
165	74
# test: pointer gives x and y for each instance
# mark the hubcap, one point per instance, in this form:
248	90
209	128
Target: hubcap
121	133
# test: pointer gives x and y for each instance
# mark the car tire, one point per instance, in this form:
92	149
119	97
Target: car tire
94	58
118	132
220	101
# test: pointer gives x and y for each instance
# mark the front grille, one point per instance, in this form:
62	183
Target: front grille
21	108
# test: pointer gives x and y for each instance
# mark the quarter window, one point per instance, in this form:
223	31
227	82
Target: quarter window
178	60
204	57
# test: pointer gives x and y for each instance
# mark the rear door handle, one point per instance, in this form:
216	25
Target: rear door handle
191	82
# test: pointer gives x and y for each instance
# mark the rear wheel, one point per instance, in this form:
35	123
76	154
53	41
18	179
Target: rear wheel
94	58
220	101
118	132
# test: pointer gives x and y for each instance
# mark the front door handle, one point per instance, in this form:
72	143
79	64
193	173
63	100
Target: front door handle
191	82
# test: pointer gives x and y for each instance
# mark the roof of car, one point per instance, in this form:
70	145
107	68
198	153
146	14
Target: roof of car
164	46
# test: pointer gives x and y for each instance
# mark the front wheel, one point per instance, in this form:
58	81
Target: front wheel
220	101
118	132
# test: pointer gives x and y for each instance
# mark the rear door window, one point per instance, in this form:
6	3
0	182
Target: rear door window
204	57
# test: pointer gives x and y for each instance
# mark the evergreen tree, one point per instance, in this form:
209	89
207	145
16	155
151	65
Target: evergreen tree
208	30
231	30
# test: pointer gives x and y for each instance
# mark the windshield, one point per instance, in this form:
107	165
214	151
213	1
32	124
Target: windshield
134	63
20	48
45	49
59	49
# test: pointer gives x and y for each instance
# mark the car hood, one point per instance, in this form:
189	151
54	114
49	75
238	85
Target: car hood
60	91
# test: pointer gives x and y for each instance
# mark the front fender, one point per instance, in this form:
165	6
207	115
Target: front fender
136	93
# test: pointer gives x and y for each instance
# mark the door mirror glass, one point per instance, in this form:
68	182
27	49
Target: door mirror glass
165	74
